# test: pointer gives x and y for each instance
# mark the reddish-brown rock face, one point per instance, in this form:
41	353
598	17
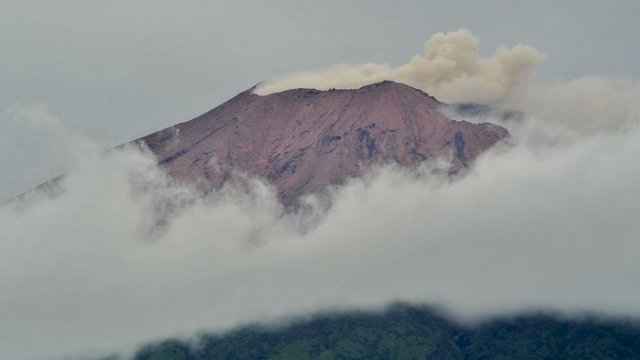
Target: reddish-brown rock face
303	140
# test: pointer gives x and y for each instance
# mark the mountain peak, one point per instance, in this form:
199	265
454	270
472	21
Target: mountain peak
303	140
384	85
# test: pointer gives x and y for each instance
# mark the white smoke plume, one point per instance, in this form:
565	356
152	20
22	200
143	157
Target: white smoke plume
451	69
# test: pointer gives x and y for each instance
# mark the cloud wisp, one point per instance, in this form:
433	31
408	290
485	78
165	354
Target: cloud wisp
38	146
451	69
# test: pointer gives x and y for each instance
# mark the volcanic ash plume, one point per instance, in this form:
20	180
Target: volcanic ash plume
451	69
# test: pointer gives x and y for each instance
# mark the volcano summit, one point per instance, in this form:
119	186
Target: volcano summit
303	140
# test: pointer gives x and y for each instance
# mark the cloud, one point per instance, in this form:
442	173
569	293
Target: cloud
580	107
36	146
549	222
451	69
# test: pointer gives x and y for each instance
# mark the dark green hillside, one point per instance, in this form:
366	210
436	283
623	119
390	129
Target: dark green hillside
408	332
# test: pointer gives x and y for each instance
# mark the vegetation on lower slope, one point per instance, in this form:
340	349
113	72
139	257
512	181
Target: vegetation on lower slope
409	332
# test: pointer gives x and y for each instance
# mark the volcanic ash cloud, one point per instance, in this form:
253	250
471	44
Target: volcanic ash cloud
451	69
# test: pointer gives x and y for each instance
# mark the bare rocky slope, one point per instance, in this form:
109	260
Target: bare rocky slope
304	140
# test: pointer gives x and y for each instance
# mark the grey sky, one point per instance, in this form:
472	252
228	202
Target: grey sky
116	70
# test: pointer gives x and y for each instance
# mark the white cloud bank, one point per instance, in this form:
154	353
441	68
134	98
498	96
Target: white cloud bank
451	69
550	222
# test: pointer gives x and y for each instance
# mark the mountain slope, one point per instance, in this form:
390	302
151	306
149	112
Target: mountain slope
303	140
412	332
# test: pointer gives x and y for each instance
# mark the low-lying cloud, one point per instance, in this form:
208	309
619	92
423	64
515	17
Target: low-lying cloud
125	255
451	69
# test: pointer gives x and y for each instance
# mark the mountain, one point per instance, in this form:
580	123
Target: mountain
303	140
411	332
